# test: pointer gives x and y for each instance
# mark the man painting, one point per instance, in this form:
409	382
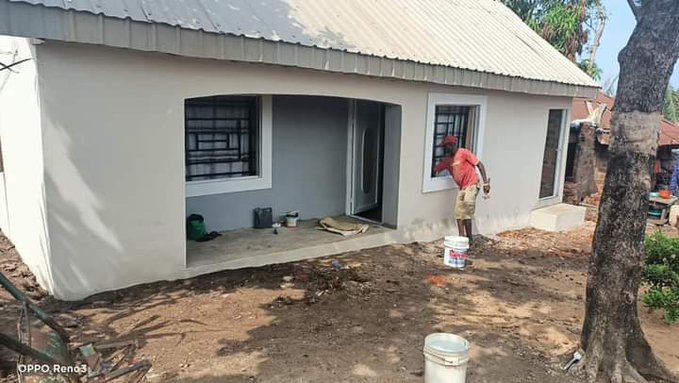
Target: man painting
462	164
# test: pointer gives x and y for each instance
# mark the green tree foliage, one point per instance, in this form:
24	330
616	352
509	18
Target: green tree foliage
591	69
671	108
565	24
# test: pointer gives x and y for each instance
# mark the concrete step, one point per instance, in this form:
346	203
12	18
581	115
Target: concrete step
558	217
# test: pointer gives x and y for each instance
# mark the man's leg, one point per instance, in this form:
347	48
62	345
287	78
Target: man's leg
460	212
461	226
468	230
470	208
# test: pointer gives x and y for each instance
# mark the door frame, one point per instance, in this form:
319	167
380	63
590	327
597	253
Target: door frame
560	160
351	157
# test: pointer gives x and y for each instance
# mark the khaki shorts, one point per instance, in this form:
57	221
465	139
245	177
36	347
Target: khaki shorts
465	206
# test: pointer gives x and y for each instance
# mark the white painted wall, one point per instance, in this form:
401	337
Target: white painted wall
513	150
22	206
114	164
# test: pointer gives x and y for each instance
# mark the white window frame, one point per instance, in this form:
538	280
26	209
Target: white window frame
241	184
434	184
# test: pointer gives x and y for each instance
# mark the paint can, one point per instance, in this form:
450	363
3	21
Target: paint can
445	358
455	250
291	218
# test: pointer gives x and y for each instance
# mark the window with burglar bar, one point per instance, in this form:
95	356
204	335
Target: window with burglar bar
222	137
452	120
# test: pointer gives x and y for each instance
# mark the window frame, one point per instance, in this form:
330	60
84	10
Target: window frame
434	184
248	183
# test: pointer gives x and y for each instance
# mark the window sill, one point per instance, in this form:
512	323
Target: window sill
225	186
548	201
432	185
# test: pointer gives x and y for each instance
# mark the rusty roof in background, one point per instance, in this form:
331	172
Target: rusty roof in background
669	131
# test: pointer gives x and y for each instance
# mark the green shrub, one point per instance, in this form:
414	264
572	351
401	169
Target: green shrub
661	273
660	276
662	250
664	299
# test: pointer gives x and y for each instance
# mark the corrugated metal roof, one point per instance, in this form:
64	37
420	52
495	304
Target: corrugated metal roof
476	35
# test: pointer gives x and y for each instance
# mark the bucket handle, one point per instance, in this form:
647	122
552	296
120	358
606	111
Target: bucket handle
448	361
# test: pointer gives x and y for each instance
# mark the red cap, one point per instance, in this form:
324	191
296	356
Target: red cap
449	141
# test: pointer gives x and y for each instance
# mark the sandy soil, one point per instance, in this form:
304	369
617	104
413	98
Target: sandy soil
521	305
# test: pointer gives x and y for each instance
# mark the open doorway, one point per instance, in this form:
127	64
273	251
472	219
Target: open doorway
366	160
551	165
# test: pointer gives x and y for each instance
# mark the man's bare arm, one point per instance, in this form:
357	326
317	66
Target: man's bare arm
482	170
486	182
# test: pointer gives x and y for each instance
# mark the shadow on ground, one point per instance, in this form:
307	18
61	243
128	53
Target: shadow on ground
365	322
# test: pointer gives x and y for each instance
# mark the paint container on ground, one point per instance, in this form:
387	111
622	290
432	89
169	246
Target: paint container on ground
455	250
291	218
263	217
445	358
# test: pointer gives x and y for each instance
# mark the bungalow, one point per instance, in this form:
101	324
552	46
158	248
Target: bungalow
130	116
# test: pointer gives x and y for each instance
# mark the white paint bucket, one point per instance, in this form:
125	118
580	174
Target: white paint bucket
455	250
445	358
291	219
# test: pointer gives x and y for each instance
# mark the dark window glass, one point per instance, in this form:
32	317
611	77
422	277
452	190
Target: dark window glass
450	120
551	157
222	134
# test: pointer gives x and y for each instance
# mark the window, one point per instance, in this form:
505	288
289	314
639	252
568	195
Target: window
221	137
461	116
227	144
451	120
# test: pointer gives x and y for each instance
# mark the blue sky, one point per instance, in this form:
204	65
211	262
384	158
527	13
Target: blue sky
618	30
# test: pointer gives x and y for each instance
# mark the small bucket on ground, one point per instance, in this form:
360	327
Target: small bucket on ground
445	358
291	218
455	250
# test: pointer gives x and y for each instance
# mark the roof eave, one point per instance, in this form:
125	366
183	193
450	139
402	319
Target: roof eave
21	19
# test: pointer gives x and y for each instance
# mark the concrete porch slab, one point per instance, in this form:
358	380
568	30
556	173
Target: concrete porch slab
558	217
258	247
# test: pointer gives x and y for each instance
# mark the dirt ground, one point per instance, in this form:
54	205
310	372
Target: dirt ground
520	305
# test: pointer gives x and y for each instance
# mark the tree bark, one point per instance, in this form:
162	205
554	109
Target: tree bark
615	345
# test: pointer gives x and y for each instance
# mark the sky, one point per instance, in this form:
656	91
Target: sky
619	27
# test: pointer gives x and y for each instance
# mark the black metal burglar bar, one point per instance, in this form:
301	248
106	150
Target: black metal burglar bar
222	134
450	120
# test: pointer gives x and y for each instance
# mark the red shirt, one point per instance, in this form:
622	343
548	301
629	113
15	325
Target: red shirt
462	167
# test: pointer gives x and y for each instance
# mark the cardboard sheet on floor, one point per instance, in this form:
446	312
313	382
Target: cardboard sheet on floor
342	227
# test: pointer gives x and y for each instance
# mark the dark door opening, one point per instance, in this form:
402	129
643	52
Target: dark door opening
552	155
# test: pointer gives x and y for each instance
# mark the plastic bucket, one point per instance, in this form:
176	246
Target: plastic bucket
455	250
291	219
445	358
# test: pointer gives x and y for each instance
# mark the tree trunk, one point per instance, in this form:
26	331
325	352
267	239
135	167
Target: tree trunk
601	14
616	348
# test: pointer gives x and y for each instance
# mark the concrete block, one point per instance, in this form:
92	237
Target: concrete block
558	217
